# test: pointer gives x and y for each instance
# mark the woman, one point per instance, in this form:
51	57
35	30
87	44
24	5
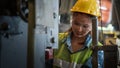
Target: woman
74	49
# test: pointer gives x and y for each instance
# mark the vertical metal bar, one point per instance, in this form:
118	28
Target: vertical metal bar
94	41
31	26
95	31
0	49
94	59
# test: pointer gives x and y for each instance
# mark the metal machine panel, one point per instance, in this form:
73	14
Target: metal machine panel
47	20
46	29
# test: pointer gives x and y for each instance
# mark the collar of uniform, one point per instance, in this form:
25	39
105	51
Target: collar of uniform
87	42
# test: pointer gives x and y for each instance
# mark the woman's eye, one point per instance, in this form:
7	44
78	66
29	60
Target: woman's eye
76	23
85	26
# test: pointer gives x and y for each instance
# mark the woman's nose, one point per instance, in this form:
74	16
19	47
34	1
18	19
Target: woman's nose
80	29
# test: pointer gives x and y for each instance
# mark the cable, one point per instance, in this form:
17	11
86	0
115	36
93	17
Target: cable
101	25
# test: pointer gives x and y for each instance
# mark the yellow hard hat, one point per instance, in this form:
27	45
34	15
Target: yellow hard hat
87	6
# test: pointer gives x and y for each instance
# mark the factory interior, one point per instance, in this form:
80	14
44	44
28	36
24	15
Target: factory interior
29	31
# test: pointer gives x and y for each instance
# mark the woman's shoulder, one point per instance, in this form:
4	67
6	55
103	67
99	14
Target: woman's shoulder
100	44
62	35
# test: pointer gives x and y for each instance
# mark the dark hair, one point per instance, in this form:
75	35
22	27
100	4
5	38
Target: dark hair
76	13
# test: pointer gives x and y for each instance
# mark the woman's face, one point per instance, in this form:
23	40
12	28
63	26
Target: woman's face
81	24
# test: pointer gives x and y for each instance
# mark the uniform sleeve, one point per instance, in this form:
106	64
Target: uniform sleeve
100	59
88	64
